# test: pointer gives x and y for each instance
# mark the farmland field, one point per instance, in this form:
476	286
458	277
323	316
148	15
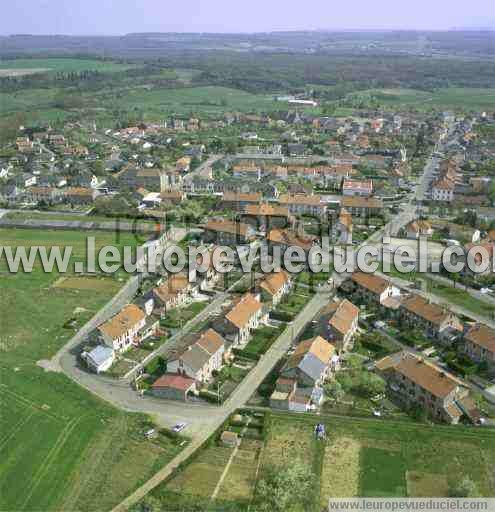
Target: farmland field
74	452
453	97
209	100
59	64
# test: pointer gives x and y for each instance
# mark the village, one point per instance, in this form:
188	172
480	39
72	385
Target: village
247	256
286	181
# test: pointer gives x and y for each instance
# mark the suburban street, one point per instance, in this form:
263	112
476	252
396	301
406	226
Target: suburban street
203	169
208	418
203	419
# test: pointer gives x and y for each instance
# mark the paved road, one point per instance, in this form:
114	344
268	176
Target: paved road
203	169
212	417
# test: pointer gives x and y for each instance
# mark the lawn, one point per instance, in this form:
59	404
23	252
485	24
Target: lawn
60	447
43	310
462	299
295	302
261	340
177	318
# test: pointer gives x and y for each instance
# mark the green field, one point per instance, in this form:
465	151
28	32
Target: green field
449	98
59	64
205	100
61	448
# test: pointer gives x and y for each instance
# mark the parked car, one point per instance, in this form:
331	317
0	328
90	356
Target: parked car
179	427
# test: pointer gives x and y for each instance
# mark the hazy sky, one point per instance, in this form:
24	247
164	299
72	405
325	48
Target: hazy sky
124	16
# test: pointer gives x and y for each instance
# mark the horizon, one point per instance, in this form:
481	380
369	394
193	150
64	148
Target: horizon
255	32
40	17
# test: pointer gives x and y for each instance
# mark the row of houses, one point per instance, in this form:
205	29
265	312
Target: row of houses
299	387
411	378
205	353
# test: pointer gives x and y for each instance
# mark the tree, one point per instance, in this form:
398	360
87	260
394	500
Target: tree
345	380
283	488
334	390
369	385
466	488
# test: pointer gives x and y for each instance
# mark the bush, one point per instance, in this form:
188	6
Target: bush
282	316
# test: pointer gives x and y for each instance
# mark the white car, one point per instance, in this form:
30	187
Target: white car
377	414
179	427
484	291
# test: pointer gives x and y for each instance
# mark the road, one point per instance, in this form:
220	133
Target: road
203	169
211	418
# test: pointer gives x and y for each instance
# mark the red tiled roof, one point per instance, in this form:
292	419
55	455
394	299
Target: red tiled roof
170	380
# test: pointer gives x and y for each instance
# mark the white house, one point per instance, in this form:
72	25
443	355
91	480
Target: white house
99	359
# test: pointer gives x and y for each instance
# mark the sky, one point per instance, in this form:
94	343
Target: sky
116	17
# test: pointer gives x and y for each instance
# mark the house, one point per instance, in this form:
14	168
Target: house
238	201
361	188
284	388
173	292
27	180
100	359
479	260
46	194
207	274
154	180
443	190
173	387
226	232
339	323
343	228
275	286
376	161
24	145
57	140
174	197
124	329
303	204
264	217
362	206
200	359
373	288
479	344
284	238
79	195
436	322
296	149
417	228
183	164
417	382
310	364
243	317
